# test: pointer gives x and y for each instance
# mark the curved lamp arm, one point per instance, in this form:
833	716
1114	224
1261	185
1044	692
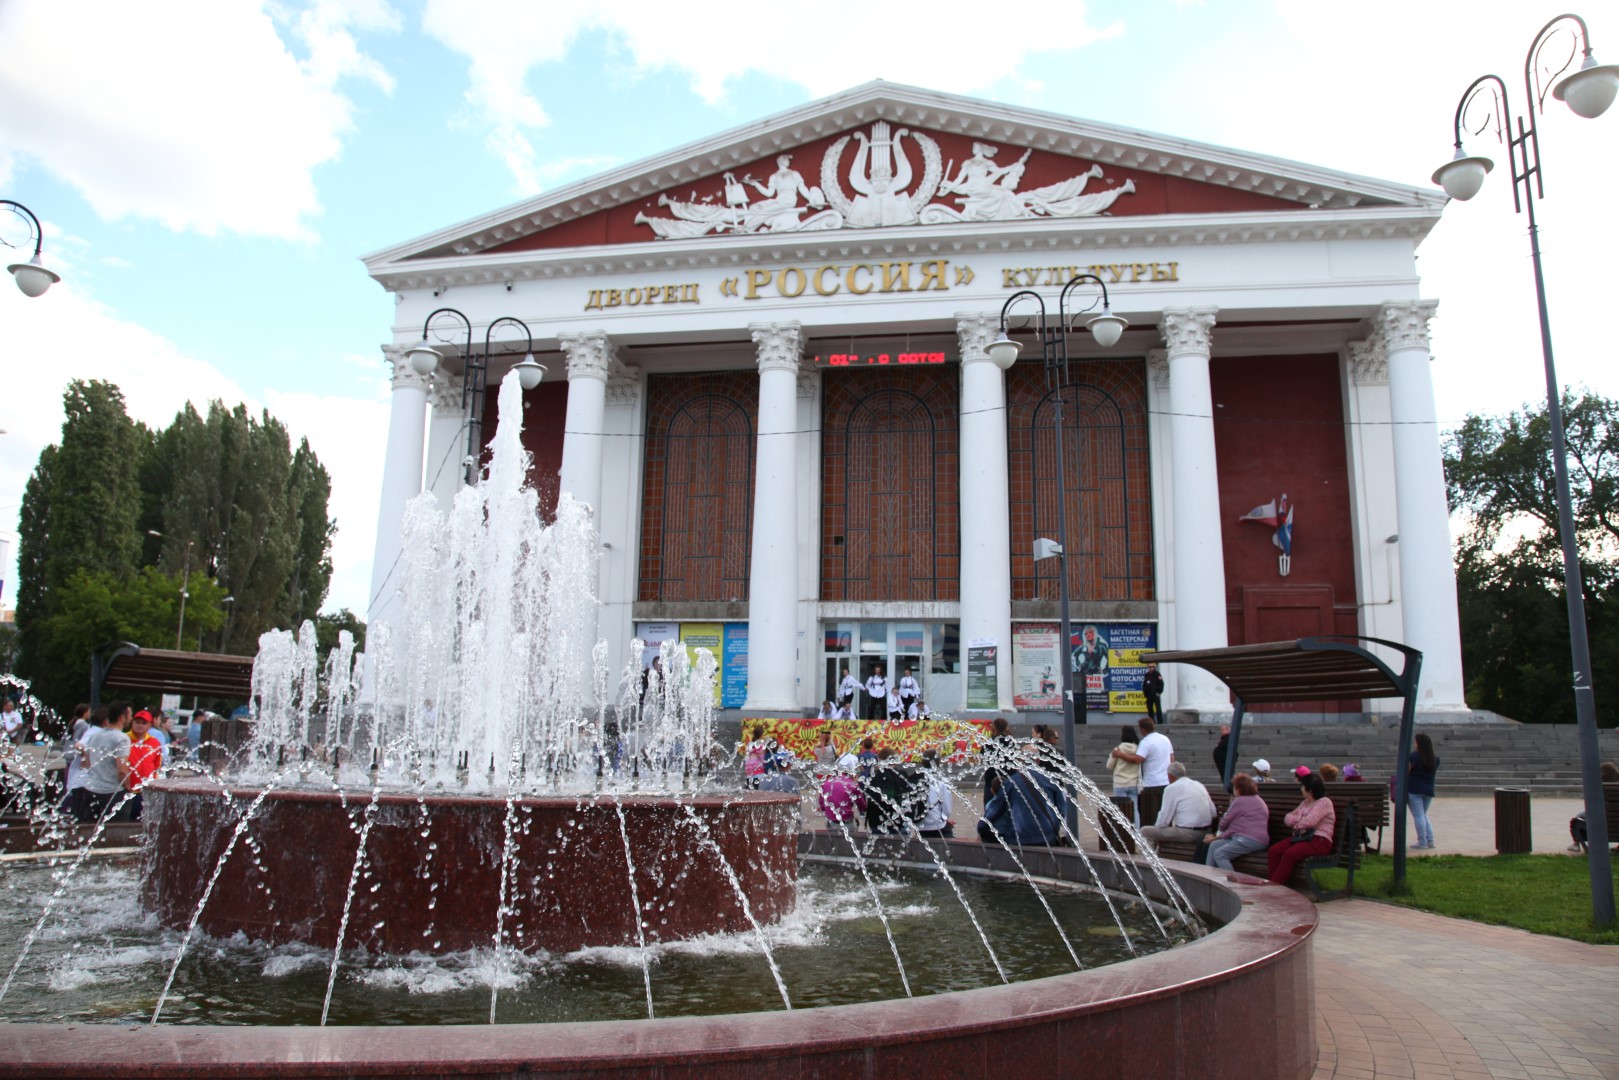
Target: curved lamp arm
424	359
33	277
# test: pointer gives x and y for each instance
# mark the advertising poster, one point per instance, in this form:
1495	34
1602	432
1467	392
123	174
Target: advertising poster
1107	664
653	635
1036	666
710	636
981	683
1125	669
734	667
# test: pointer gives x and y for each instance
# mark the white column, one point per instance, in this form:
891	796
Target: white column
1161	445
446	439
1427	572
773	577
1199	558
401	477
1371	475
590	357
986	554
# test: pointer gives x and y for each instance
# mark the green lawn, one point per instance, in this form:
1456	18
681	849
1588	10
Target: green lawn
1545	894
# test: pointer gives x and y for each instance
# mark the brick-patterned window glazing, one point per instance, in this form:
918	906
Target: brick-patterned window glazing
1109	501
890	488
697	498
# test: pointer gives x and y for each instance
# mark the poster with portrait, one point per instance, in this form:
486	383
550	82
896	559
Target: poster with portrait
1036	666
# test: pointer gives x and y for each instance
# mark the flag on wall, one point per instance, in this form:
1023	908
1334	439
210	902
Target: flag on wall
1278	513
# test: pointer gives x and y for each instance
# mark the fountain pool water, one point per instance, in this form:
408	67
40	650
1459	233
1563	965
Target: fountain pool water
442	833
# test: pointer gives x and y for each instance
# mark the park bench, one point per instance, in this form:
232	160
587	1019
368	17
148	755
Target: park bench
1282	799
1610	804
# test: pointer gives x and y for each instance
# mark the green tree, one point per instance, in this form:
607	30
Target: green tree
1509	576
80	512
254	512
329	625
223	501
96	607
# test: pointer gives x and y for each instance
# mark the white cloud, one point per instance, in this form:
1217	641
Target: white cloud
842	45
157	379
193	113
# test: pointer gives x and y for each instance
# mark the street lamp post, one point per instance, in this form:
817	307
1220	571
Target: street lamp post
1105	328
32	276
1588	92
424	359
185	589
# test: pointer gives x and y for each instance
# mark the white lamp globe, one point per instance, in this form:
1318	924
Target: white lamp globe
1003	351
529	373
1463	176
1106	329
1590	90
423	359
32	277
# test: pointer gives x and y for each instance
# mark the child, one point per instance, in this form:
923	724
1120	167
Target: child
842	801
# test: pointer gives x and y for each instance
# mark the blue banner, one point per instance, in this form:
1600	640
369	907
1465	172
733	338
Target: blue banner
734	667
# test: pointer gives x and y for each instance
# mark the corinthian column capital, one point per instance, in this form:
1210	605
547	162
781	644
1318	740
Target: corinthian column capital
1369	361
781	345
1188	330
974	331
589	356
401	374
1404	324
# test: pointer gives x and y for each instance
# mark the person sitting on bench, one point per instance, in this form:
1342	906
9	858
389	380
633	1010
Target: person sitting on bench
1312	822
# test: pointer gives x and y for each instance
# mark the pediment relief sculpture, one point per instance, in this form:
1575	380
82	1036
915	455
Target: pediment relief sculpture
887	191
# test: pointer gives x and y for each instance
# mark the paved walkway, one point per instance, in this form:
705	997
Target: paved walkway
1402	993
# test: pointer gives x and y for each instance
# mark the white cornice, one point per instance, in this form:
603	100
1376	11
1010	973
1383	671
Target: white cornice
1107	144
932	241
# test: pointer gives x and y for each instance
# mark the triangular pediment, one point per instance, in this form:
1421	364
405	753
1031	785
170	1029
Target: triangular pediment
889	157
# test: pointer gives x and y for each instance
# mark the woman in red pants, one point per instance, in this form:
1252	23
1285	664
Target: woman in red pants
1312	823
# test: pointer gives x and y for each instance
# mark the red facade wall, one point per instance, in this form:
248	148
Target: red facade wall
1154	194
545	412
697	487
1279	428
890	484
1107	469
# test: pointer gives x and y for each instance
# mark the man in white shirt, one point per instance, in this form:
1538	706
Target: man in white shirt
1154	754
876	695
1187	810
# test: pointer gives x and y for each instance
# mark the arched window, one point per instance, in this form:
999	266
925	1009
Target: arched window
890	487
697	500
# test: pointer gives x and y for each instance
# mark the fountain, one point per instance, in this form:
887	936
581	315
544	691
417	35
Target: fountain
442	817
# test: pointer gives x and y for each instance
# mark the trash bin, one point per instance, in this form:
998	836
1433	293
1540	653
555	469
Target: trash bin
1512	836
1110	836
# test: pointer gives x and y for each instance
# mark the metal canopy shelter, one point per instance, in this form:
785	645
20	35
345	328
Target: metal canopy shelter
1315	669
126	666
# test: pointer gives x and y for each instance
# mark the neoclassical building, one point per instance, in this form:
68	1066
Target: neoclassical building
768	375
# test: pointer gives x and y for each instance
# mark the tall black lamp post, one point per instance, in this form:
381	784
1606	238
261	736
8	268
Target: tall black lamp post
32	276
424	359
1105	328
1588	91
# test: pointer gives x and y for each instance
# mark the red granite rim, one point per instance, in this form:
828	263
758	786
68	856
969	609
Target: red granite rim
1271	931
249	792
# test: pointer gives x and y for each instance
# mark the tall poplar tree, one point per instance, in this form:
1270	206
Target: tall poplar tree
81	511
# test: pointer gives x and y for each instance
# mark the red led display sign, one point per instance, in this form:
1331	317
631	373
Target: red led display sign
866	359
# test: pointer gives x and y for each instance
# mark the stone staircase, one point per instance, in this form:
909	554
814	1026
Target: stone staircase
1475	759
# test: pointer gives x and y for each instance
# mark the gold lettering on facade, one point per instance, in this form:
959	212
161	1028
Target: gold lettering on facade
821	287
602	299
849	279
932	270
796	289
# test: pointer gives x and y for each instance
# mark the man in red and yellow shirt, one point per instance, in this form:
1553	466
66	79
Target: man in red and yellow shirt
145	758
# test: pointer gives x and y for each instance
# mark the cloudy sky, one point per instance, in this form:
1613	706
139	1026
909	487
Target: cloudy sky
210	171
